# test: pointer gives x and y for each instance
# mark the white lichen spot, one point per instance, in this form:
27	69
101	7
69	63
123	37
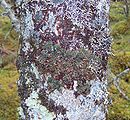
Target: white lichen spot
29	26
35	71
26	47
27	82
36	110
20	110
47	75
55	28
98	90
75	86
49	24
51	21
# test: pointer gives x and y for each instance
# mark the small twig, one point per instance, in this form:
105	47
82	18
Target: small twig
120	91
116	83
8	33
5	51
122	74
116	80
10	13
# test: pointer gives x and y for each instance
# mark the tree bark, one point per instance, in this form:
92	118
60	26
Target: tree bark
126	10
63	59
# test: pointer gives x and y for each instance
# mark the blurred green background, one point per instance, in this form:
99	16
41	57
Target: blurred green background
120	31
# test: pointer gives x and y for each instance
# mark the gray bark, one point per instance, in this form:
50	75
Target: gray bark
126	9
63	59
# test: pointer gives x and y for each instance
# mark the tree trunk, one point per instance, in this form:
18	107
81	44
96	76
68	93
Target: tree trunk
126	9
63	58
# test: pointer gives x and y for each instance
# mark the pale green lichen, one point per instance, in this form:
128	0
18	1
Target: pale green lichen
36	109
21	113
35	71
82	107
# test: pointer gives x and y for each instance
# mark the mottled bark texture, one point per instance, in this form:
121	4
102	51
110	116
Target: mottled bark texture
62	61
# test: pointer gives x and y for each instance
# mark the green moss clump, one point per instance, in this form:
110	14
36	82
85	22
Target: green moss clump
120	28
119	63
120	108
9	100
116	12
